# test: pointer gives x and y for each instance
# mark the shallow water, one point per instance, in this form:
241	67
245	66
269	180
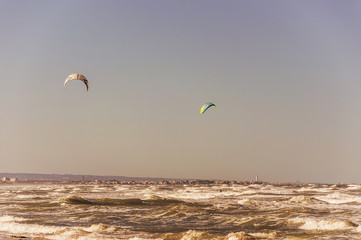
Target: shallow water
95	211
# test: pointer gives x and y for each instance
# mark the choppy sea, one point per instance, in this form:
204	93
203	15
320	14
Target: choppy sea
232	212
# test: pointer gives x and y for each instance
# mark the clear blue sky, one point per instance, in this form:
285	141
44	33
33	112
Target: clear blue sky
285	76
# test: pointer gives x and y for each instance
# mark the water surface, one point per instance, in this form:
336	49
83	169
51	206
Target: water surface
115	211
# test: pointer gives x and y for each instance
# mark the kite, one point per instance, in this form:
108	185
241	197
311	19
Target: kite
77	77
206	106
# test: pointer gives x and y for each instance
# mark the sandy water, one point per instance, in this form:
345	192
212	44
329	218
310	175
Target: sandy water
96	211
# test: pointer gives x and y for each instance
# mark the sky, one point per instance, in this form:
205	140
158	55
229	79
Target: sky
285	77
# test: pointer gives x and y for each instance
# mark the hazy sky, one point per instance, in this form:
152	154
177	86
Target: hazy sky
285	76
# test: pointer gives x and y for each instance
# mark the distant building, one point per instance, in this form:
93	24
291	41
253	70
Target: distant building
14	179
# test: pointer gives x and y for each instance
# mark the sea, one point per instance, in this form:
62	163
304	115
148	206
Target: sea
80	210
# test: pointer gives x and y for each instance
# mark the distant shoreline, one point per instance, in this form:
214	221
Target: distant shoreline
69	178
78	178
114	182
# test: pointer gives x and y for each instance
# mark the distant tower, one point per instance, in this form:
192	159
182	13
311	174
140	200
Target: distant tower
257	178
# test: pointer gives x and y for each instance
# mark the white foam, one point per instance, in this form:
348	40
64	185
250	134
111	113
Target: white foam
99	228
15	225
8	224
97	190
192	235
25	196
249	192
301	199
244	201
6	218
44	188
354	187
304	189
193	195
271	235
322	224
339	198
314	188
137	238
78	235
236	236
61	189
298	199
19	228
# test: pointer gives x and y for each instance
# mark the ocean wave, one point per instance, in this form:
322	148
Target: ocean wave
204	235
154	200
99	228
76	200
238	236
244	201
140	238
7	218
251	202
190	235
189	212
196	195
354	187
305	200
250	236
179	211
313	189
18	226
271	235
22	228
340	198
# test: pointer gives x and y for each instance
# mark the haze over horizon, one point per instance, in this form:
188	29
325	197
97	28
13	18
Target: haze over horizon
285	77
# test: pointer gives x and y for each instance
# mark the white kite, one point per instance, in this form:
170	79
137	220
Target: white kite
77	77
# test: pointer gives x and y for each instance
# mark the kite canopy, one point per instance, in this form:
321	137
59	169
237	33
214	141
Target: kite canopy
206	106
77	76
